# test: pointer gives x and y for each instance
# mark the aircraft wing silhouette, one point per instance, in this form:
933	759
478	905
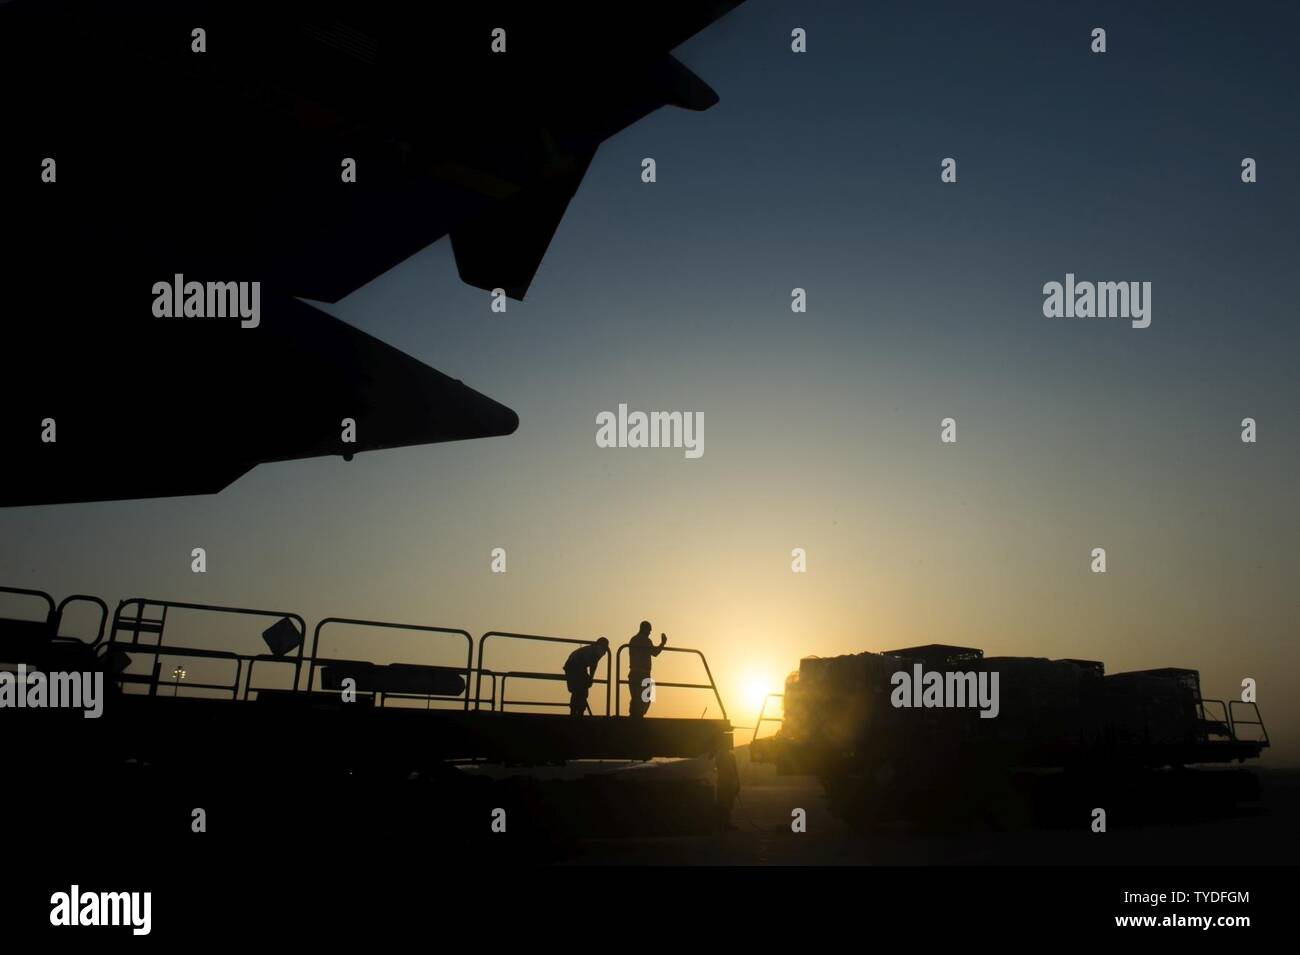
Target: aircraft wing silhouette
212	141
448	137
301	384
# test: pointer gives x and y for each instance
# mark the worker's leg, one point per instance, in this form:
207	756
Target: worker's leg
577	701
573	685
637	690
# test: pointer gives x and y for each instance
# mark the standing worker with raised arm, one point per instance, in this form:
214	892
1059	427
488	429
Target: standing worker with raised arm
640	650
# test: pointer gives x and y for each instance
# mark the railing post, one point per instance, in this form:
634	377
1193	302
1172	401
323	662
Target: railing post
618	667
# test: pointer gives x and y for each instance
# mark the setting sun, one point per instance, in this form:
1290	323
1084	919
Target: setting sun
756	690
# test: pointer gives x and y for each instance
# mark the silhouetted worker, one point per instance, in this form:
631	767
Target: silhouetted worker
580	673
639	652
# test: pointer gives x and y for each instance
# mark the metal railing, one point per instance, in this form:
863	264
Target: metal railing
154	680
762	709
493	698
140	624
86	598
711	685
24	592
315	661
528	675
54	614
482	647
1234	721
1215	719
139	627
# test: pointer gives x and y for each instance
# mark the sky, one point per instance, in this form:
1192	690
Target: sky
821	171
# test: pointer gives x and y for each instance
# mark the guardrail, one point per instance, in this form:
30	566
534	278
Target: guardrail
482	647
493	698
140	624
556	677
24	592
22	634
315	661
87	598
762	709
1234	721
711	685
154	679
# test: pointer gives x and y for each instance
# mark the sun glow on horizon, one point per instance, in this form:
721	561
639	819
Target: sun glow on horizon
755	692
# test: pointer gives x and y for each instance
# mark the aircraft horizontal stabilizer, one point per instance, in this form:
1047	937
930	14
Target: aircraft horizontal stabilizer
504	248
683	88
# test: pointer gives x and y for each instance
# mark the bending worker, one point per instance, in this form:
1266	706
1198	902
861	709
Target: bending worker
580	673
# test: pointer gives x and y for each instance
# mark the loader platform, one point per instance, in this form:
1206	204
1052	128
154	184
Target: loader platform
175	695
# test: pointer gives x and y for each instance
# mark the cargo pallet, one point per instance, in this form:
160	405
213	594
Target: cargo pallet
1146	719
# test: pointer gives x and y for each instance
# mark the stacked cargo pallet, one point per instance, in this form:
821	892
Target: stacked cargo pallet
1046	709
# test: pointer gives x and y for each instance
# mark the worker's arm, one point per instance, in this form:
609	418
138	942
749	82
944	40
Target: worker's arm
663	642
